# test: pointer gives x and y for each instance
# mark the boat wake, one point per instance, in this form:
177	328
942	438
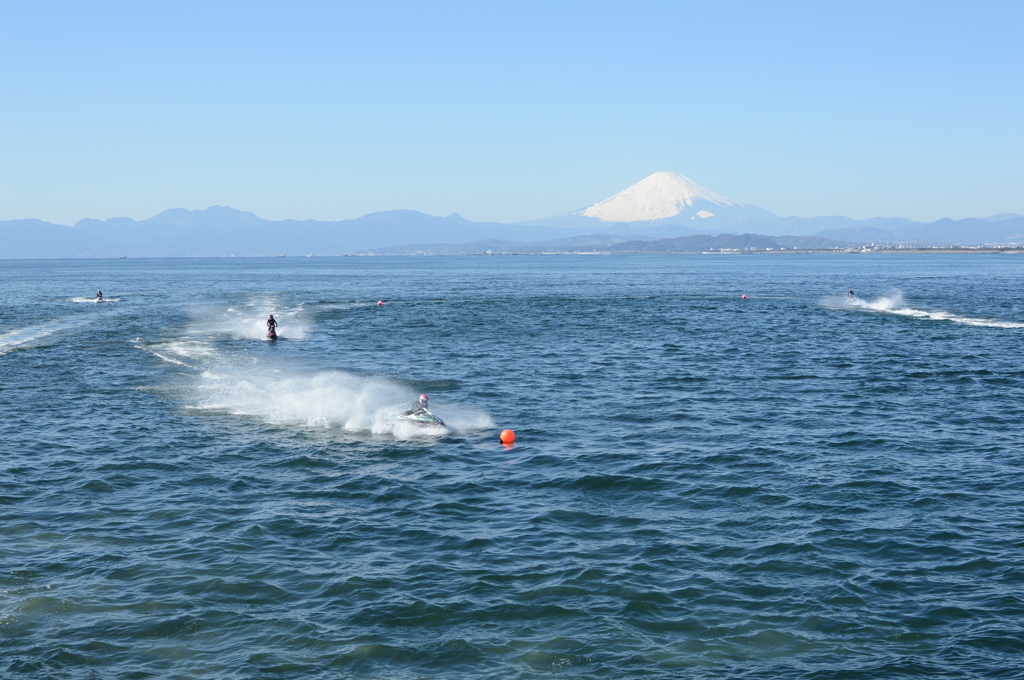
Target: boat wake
178	352
94	300
328	400
893	302
30	336
250	323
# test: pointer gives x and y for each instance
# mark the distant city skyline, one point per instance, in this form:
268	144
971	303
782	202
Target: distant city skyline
510	112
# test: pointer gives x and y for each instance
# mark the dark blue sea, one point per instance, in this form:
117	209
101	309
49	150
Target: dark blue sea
798	484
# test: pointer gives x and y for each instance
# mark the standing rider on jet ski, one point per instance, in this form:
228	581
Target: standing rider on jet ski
271	325
99	295
419	407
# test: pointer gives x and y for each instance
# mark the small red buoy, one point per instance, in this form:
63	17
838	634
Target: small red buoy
507	436
744	297
380	303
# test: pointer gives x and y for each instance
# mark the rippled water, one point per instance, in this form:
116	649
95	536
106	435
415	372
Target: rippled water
792	485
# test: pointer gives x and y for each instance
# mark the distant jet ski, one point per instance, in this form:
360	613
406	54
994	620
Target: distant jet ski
272	334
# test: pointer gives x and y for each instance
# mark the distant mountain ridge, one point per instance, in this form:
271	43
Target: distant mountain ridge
664	205
670	205
220	231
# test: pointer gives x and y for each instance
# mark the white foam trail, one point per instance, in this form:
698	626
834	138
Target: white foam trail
349	305
251	324
189	349
27	336
326	401
893	302
92	299
165	358
185	349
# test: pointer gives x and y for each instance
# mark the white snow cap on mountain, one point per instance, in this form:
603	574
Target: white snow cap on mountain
663	194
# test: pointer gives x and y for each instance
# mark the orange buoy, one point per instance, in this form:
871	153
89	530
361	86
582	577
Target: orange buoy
507	436
744	297
380	303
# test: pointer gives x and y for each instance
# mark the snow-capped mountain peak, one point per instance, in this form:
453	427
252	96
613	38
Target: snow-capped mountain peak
661	195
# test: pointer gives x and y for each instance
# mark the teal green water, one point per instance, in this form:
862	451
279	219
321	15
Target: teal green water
794	485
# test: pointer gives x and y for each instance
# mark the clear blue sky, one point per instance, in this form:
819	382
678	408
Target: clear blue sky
508	111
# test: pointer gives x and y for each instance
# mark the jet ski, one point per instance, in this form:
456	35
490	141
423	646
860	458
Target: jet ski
421	417
272	334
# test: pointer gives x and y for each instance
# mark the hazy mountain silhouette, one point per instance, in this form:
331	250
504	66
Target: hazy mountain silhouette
36	239
667	204
663	205
223	231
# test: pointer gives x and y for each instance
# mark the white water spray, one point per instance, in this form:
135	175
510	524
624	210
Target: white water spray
251	322
179	352
326	400
893	302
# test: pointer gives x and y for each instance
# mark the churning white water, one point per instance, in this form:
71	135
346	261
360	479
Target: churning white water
893	302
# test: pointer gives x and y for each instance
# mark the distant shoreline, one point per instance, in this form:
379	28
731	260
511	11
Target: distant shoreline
890	251
824	251
591	253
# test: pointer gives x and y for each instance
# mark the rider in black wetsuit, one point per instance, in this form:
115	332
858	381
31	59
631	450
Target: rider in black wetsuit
271	325
850	294
419	407
99	295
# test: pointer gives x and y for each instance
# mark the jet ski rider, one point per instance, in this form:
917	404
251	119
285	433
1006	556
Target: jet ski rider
99	295
271	325
419	407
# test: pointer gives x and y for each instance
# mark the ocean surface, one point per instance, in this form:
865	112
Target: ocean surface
792	485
